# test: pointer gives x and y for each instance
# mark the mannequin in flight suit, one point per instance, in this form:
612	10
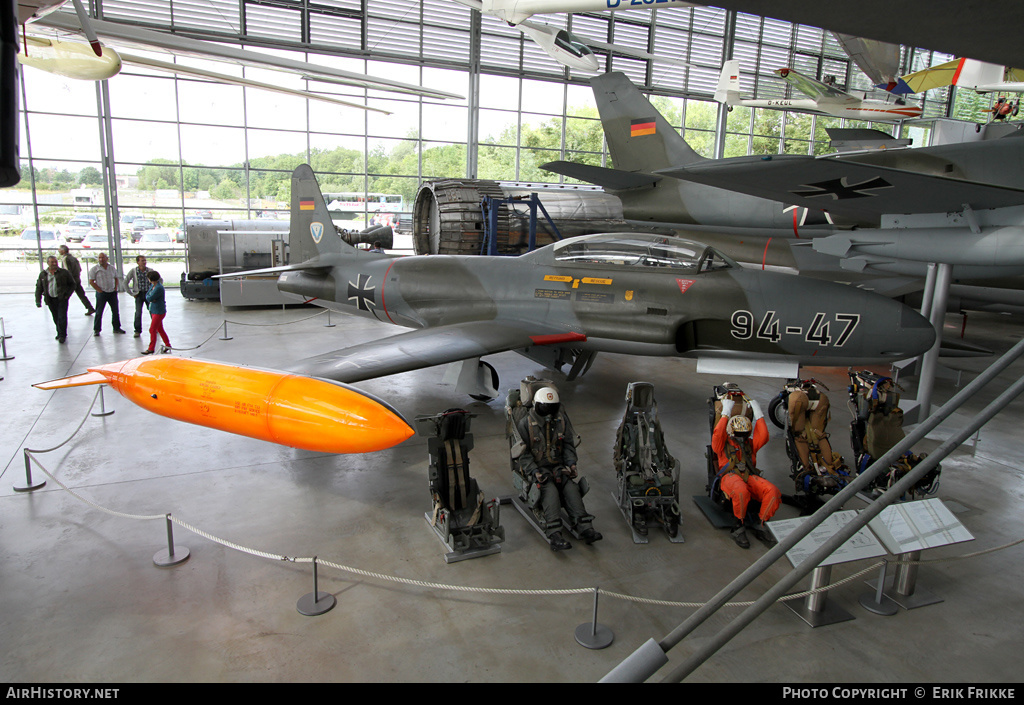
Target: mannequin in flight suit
735	442
549	460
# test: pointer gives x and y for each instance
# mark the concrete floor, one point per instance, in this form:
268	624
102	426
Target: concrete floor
81	600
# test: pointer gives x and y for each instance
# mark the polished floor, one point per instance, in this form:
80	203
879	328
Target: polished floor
82	601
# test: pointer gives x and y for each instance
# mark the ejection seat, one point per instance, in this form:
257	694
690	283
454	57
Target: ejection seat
466	522
647	474
877	427
802	410
526	500
714	504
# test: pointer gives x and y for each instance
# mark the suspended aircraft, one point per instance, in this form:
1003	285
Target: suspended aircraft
561	45
825	98
562	304
95	61
964	73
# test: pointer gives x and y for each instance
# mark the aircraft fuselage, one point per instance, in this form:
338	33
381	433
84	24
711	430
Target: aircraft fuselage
709	307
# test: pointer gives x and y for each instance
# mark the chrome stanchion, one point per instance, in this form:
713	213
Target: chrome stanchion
29	484
878	602
594	635
316	602
172	555
103	409
3	342
226	336
329	324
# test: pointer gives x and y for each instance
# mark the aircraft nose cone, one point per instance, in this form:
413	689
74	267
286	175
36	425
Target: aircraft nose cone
915	334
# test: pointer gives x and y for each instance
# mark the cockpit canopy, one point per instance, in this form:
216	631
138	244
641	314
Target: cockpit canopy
570	43
629	249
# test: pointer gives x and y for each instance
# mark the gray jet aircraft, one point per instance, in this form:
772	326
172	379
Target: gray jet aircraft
563	303
961	204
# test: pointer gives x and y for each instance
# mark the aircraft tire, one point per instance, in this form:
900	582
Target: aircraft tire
778	412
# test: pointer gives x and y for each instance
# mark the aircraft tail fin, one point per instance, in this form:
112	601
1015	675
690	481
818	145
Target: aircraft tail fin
639	137
728	91
312	233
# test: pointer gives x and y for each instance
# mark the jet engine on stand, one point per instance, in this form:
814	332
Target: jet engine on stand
448	218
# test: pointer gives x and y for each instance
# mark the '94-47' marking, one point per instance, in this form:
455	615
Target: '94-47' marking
745	326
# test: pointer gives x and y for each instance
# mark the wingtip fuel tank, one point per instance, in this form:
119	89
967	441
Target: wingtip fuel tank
283	408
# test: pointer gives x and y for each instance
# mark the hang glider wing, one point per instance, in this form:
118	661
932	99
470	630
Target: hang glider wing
132	36
846	187
933	77
815	89
427	347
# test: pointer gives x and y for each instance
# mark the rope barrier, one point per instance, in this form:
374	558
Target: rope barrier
242	323
902	559
481	590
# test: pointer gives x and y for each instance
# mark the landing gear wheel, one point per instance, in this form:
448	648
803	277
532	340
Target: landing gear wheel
778	412
494	383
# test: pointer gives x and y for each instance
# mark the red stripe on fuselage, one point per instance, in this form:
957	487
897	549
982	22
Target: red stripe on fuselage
558	338
383	304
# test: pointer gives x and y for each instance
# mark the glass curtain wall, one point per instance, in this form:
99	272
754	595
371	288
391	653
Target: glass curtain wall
181	147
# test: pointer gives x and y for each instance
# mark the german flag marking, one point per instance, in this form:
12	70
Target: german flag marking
641	127
306	204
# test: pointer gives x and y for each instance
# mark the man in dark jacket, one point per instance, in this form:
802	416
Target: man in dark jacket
69	262
55	285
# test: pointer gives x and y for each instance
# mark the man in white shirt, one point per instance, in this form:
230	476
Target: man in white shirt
103	278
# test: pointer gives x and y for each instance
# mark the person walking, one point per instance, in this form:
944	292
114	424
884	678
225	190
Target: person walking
55	285
103	278
69	262
157	303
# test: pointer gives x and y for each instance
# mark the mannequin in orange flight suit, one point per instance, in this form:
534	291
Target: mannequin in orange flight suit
735	442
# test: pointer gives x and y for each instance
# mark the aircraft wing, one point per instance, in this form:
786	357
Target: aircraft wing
130	35
427	347
880	61
842	186
183	70
814	88
614	179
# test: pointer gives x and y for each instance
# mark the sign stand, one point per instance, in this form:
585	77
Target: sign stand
816	609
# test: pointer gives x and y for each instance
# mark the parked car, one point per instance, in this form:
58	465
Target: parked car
95	240
77	228
96	220
182	230
48	237
156	237
141	225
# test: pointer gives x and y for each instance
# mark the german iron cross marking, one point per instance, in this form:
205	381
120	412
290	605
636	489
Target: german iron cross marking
839	189
362	292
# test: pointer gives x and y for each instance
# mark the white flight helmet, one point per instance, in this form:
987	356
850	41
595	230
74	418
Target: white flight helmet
546	401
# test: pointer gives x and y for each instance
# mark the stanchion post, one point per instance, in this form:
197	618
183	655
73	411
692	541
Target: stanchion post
29	485
103	409
3	342
878	602
329	324
172	555
316	602
226	336
593	635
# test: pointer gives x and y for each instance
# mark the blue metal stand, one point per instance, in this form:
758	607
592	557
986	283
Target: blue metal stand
489	207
